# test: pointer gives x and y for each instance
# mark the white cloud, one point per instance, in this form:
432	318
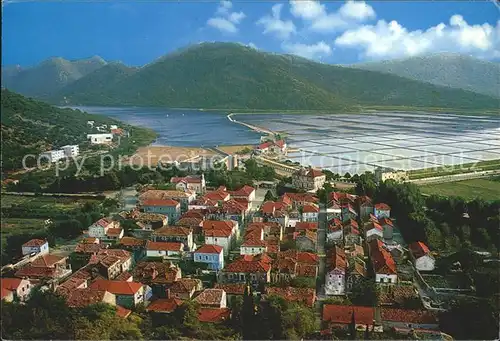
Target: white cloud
225	20
252	45
392	40
313	51
274	25
319	20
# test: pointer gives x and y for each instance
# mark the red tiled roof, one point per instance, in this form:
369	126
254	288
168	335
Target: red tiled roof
104	222
364	200
122	312
307	257
352	223
210	297
160	202
254	242
47	261
306	296
243	191
265	145
116	287
409	316
163	246
280	143
209	248
185	285
305	225
164	305
299	197
124	276
307	270
373	218
115	232
418	249
381	258
10	283
35	272
78	298
382	206
218	225
217	233
372	225
231	288
173	231
156	272
132	242
342	314
90	240
385	221
34	242
216	195
248	265
6	293
233	206
190	179
310	209
214	315
336	259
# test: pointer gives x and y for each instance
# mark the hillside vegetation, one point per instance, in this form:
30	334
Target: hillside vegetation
447	69
233	76
31	127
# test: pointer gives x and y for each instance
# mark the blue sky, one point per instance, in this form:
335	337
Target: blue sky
334	32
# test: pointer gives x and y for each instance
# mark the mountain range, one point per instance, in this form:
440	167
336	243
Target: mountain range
233	76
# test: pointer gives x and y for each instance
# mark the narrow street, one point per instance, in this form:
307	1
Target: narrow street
320	249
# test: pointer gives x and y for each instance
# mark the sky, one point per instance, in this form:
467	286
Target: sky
139	32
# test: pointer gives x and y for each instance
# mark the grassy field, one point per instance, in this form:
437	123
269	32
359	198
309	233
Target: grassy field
62	204
487	189
455	169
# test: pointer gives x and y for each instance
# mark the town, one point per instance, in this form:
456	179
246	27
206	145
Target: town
338	255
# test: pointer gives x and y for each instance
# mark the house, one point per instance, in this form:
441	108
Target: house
213	255
292	263
100	138
351	233
231	209
306	226
212	298
168	207
373	230
383	264
101	229
277	147
19	288
221	233
335	232
421	256
296	200
381	210
164	249
246	192
306	296
184	198
348	212
71	150
7	295
149	221
164	305
233	290
194	183
158	275
79	298
110	263
255	270
184	288
45	267
253	247
37	246
383	173
53	155
387	226
308	179
306	240
341	316
218	195
178	234
356	272
310	213
335	277
128	294
214	315
365	206
412	319
275	211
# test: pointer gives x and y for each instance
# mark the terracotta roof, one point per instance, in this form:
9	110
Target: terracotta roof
210	297
386	221
164	305
160	202
34	242
78	298
124	276
342	314
90	240
132	242
47	261
231	288
307	257
158	194
103	222
254	242
418	249
265	145
357	268
305	225
189	221
311	235
382	206
214	315
190	179
209	248
185	285
233	206
216	195
299	197
173	231
310	172
307	270
352	223
398	295
373	218
122	312
364	200
217	233
35	272
336	259
218	225
280	143
122	254
243	191
310	209
306	296
248	265
116	287
10	283
115	232
381	258
6	293
372	225
274	207
409	316
163	246
156	272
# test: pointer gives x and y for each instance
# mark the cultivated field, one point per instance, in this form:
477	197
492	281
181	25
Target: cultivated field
468	189
152	154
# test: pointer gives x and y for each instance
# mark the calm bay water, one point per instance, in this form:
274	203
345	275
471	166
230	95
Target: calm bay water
182	127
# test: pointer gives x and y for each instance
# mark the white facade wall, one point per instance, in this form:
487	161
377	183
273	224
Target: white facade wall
252	250
100	138
224	242
335	283
384	278
43	249
425	263
71	150
53	155
335	235
162	253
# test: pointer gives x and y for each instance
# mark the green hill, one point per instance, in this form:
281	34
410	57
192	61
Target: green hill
447	69
31	127
48	77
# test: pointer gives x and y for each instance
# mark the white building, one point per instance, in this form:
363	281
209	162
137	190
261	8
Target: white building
383	264
383	174
100	138
113	126
53	155
163	249
71	150
38	246
422	257
335	276
373	230
253	247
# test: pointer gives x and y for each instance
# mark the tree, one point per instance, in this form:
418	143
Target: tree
352	327
248	319
270	196
347	175
66	229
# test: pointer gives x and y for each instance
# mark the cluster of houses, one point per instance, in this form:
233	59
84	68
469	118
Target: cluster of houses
225	235
105	135
68	151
